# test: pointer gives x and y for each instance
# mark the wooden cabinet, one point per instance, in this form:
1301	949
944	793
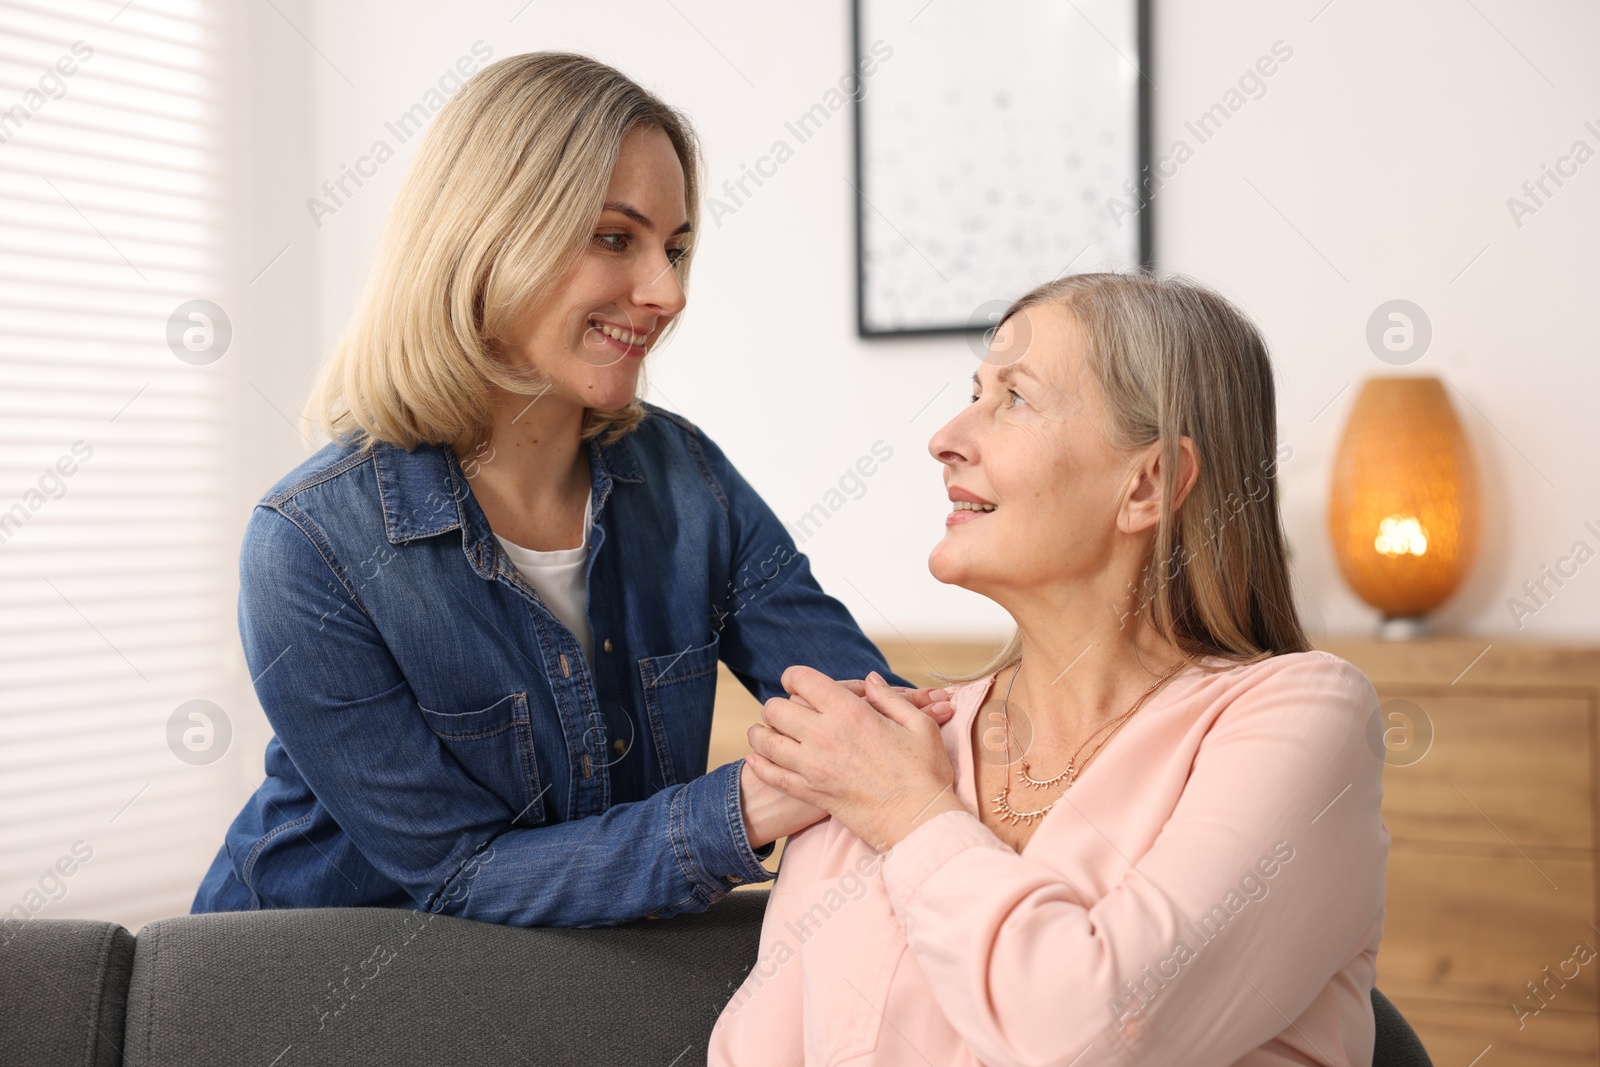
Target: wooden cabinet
1491	882
1490	797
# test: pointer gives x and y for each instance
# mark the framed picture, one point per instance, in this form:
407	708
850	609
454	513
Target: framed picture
996	148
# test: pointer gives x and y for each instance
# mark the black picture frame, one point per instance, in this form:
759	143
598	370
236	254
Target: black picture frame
1145	223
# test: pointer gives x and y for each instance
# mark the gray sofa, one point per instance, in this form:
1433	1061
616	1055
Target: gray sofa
353	986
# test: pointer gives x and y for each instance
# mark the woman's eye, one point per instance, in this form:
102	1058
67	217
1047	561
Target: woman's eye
675	254
1016	397
612	242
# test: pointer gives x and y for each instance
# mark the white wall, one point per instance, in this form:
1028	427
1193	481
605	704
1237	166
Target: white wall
1391	142
272	268
1377	165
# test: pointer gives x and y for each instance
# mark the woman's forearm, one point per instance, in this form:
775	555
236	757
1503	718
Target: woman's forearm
769	812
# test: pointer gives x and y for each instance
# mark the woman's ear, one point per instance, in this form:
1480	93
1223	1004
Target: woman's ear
1141	508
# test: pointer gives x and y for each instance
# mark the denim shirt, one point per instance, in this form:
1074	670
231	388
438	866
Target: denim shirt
442	743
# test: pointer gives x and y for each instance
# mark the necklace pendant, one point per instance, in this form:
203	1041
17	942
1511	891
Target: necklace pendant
1002	807
1002	799
1068	773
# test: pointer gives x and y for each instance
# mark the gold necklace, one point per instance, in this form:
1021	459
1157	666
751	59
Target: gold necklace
1002	799
1070	771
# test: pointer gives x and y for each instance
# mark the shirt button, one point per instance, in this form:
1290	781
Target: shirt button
607	645
619	746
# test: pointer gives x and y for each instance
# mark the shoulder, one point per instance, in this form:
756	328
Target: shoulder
824	851
328	463
1314	671
1312	694
661	420
675	452
670	435
334	495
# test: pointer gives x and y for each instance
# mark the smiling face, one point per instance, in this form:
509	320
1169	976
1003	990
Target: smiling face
1035	483
590	337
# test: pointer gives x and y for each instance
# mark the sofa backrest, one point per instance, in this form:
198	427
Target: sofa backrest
369	985
63	989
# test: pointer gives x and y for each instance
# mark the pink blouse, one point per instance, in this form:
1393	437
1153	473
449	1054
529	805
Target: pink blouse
1210	891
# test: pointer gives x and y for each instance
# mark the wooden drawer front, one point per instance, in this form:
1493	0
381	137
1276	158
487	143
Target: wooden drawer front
1457	1035
1474	929
1499	767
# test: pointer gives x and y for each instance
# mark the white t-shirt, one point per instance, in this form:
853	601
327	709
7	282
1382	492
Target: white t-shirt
559	579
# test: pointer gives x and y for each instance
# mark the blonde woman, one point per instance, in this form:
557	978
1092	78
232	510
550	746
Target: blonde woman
1150	833
485	622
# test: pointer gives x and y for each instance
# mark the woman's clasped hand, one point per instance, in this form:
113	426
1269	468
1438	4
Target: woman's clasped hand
871	759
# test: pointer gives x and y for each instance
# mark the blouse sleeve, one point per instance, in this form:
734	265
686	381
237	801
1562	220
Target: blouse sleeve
1266	881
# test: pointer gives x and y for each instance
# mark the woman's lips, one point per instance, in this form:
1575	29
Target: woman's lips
961	516
622	346
598	328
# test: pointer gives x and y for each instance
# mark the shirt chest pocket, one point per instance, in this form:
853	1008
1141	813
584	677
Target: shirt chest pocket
494	745
680	690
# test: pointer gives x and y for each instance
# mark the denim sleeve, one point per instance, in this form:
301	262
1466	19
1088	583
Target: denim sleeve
346	716
777	615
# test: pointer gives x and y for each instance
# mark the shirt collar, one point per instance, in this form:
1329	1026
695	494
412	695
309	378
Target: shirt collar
424	491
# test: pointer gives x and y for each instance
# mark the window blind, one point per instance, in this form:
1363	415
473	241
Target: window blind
115	583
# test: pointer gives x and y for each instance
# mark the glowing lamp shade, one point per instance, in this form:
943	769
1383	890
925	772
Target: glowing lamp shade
1404	509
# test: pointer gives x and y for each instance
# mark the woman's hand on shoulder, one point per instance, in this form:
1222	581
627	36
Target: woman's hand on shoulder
770	813
876	763
934	701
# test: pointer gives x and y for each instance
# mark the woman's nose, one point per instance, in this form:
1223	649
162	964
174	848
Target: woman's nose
951	443
660	288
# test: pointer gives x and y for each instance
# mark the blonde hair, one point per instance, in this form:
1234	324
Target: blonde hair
1174	359
493	213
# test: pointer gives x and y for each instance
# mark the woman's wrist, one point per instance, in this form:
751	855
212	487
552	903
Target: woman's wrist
899	826
770	813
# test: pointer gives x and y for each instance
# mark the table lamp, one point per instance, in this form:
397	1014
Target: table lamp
1404	509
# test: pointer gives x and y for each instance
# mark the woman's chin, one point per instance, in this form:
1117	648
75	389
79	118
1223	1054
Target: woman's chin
613	402
947	567
611	392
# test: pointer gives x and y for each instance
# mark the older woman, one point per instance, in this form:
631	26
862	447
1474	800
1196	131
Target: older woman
1150	833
